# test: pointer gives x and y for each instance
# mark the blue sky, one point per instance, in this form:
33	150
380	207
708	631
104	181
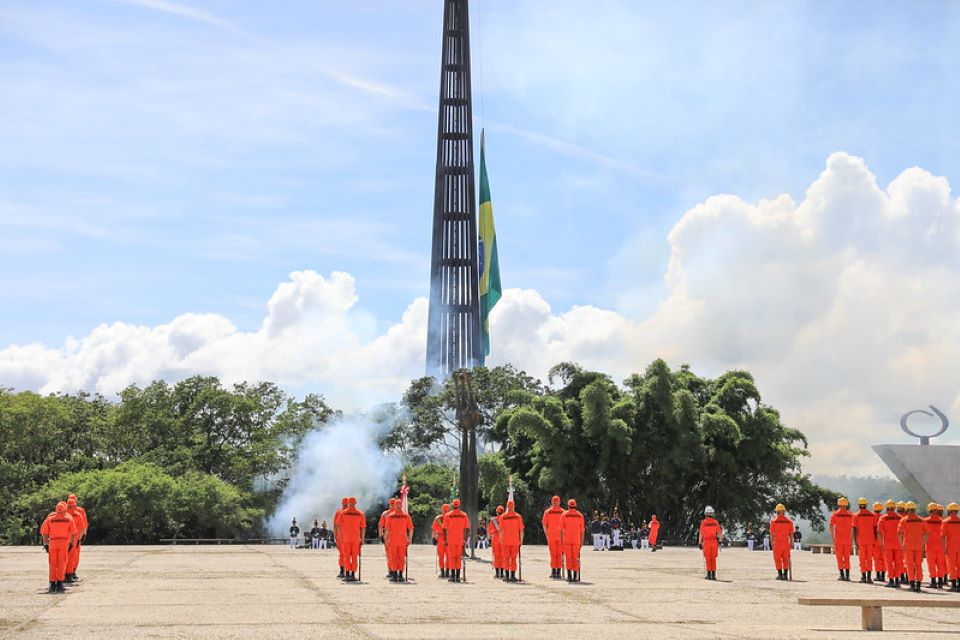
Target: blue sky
161	157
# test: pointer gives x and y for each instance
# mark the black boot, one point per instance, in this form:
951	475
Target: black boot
956	586
840	579
342	574
869	577
893	584
903	578
933	583
53	588
513	576
60	588
863	578
917	586
569	575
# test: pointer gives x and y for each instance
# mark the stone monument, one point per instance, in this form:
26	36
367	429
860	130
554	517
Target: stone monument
931	473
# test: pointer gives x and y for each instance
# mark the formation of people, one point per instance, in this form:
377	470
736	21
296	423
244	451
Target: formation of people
611	534
63	532
892	541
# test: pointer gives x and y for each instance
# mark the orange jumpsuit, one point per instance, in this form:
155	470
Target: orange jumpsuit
936	557
80	519
511	537
353	524
493	529
571	529
912	528
892	551
654	532
61	531
865	522
710	532
398	527
878	564
841	527
950	533
336	534
781	532
437	530
551	527
455	524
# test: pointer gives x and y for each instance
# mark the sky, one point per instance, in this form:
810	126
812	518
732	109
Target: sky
245	189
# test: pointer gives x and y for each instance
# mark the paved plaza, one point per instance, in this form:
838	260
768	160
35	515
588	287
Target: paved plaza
274	592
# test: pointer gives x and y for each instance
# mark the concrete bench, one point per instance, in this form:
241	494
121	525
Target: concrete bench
871	609
822	548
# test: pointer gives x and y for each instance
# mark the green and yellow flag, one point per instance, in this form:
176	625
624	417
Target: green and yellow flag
489	263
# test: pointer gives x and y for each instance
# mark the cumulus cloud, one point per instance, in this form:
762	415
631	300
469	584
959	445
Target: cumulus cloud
845	305
312	338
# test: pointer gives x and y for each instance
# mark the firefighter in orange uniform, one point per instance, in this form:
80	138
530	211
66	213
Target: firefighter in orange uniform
59	533
511	537
709	540
383	519
654	532
436	530
950	534
551	528
781	535
890	540
902	511
398	533
879	568
572	526
382	533
456	525
337	538
841	530
913	537
353	524
496	546
936	555
865	532
79	515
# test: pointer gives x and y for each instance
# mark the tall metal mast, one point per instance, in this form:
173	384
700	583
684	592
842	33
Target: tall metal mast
453	326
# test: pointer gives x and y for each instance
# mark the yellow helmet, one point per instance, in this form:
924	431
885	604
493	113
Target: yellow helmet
843	502
911	506
901	505
862	502
877	506
953	506
891	504
780	508
931	506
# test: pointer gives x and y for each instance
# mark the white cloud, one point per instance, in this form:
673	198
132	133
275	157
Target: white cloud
312	338
844	305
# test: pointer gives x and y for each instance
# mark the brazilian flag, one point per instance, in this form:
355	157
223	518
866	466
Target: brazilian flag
489	263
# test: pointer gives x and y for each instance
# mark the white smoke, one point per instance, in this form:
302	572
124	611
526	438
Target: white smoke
338	461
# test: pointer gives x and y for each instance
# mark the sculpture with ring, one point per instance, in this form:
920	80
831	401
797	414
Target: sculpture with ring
925	439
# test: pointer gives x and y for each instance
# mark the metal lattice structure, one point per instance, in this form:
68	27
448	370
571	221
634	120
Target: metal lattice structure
453	329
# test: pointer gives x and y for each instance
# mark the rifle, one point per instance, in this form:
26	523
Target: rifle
520	559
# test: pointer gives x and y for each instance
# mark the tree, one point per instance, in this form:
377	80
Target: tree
665	443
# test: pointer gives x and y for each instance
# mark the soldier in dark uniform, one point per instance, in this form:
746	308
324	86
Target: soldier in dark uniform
315	535
294	534
596	531
605	531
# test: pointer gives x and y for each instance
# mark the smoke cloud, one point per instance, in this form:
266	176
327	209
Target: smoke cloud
339	461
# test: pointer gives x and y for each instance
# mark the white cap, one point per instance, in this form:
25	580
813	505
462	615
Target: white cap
708	511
